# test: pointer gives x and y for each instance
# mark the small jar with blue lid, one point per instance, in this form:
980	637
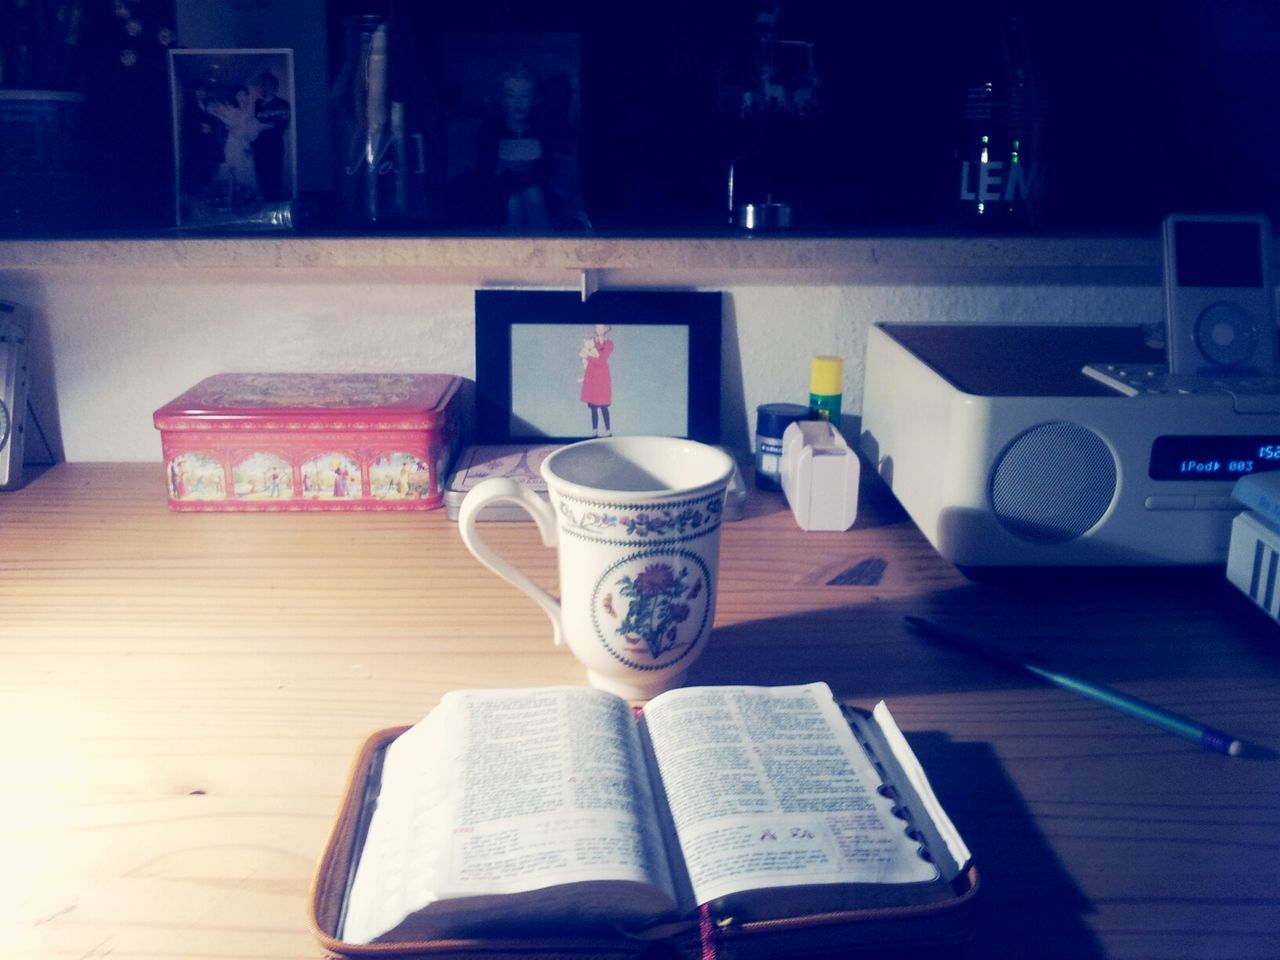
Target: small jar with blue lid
771	420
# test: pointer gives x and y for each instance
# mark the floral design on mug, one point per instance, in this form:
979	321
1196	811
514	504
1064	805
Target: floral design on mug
644	522
657	608
652	608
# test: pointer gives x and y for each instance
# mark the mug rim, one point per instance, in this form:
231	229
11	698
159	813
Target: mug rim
558	483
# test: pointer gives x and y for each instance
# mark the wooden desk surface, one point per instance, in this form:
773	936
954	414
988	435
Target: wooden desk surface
181	696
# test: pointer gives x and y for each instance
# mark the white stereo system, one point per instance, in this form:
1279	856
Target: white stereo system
1005	453
14	322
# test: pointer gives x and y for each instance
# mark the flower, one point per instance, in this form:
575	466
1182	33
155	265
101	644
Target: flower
657	578
608	604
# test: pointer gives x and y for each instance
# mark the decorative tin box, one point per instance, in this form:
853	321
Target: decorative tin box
271	441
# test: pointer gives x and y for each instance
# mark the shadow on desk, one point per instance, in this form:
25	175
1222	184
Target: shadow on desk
1013	746
1112	627
1027	904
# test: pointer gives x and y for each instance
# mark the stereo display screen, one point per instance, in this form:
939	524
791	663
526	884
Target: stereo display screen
1213	457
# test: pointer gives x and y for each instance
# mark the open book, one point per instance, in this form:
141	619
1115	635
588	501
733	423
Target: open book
555	809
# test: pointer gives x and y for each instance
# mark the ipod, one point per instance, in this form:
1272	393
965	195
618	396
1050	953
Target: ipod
1219	302
13	392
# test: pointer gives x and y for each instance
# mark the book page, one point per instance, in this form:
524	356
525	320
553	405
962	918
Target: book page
503	791
769	788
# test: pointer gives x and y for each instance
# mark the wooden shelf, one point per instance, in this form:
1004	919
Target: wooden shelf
748	259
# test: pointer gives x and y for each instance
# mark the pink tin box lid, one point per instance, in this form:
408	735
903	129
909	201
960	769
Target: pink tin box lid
310	401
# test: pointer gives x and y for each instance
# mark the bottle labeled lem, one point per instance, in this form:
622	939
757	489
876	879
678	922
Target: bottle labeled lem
998	177
826	388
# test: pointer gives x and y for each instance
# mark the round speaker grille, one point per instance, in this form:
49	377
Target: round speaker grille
1053	483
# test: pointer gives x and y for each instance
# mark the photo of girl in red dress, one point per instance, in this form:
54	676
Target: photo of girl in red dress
597	382
542	354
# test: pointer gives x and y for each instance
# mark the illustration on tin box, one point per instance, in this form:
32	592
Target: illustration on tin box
196	476
331	476
263	476
400	476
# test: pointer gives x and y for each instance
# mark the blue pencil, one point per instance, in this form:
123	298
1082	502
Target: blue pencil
1207	737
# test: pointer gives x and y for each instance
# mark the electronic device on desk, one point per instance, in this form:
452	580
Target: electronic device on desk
1006	454
13	392
1219	314
1007	450
1219	301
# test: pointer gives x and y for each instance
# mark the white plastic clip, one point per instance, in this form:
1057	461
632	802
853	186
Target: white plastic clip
819	476
590	282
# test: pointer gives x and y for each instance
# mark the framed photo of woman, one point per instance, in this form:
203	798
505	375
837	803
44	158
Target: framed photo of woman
234	133
512	127
551	367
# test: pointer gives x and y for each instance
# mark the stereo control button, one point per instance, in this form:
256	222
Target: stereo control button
1171	501
1216	501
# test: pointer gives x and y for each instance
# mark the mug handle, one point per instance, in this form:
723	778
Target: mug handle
504	490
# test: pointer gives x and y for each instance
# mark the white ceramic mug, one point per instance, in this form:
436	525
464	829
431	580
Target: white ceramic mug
636	521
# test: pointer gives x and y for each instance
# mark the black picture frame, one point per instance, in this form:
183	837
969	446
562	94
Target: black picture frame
512	122
669	384
235	149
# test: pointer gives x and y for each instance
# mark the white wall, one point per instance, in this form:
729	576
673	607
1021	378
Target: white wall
111	345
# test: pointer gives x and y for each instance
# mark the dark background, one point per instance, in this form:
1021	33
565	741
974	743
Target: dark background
1150	108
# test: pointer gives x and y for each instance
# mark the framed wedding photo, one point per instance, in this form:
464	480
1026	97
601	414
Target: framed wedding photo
234	133
553	368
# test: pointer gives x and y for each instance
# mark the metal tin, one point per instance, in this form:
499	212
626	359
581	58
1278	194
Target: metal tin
519	462
523	464
296	441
